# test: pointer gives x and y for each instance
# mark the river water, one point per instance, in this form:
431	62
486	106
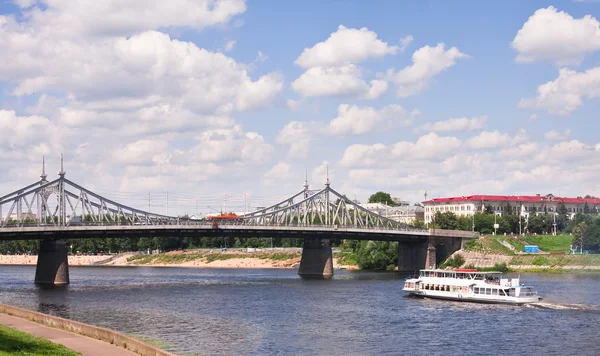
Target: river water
264	312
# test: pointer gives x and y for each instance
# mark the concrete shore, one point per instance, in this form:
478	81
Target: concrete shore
87	339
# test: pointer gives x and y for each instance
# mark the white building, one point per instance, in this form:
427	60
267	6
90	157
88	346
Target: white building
522	204
405	214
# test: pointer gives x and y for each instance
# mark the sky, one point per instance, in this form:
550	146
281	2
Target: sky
210	105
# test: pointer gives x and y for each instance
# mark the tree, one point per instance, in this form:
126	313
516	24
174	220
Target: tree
382	197
586	208
508	209
446	220
578	232
377	255
489	209
562	218
591	237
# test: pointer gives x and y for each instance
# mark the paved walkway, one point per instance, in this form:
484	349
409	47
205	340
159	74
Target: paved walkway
87	346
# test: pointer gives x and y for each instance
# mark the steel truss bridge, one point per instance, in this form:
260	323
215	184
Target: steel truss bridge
63	209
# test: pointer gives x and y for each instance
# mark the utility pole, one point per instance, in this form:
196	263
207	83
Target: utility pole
167	204
148	202
427	221
495	225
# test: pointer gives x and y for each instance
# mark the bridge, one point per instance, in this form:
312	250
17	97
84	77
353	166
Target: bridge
57	210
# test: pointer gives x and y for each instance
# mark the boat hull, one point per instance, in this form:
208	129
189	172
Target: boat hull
477	300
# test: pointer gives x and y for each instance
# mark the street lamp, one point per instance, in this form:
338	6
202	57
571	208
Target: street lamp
71	249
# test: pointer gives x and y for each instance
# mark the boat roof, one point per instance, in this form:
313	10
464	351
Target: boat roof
460	270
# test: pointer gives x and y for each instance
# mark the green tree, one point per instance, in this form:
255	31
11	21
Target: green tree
591	237
508	210
446	220
377	255
578	233
586	208
382	197
489	209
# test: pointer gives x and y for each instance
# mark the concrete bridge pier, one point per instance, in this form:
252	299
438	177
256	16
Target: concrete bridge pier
317	260
52	264
411	256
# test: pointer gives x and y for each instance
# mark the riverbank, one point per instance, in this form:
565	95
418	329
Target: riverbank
490	251
18	342
190	259
85	339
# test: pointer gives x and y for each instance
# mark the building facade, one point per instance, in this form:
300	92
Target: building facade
499	204
406	214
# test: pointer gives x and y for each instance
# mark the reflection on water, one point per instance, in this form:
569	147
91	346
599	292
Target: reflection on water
220	311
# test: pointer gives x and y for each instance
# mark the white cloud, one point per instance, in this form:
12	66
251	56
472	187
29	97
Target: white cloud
299	136
427	63
557	136
361	155
427	146
23	131
345	46
456	124
279	172
126	17
488	139
357	120
261	58
566	93
229	46
550	35
338	81
320	173
141	152
405	42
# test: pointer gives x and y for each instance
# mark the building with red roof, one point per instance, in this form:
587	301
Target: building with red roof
519	204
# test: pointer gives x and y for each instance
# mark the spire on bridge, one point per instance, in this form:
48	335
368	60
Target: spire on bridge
44	175
62	171
327	183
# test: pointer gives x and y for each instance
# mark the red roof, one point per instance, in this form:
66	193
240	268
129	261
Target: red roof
516	198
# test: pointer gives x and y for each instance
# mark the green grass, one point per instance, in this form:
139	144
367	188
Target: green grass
488	244
515	243
556	260
549	243
13	342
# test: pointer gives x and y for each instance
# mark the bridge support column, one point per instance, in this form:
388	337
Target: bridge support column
411	256
52	264
317	261
430	261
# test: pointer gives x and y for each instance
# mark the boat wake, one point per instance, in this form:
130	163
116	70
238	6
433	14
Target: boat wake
559	306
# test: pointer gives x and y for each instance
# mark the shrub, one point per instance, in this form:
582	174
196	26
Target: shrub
539	261
501	267
454	261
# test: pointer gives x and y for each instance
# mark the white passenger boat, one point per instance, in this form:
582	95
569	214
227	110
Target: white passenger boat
469	285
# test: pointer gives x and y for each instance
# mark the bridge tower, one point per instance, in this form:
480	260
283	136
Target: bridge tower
53	263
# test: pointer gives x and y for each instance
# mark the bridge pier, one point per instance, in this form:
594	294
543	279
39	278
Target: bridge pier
52	264
317	260
411	256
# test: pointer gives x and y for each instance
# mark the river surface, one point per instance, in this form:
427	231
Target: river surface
264	312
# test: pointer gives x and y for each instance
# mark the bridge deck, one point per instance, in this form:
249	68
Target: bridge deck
76	232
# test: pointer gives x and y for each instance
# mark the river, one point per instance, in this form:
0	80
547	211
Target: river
263	312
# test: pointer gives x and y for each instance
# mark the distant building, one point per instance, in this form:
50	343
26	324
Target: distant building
519	204
405	214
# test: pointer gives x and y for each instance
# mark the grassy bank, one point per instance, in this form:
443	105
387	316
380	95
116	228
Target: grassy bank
182	257
13	342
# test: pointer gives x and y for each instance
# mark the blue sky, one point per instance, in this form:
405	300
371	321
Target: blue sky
210	99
